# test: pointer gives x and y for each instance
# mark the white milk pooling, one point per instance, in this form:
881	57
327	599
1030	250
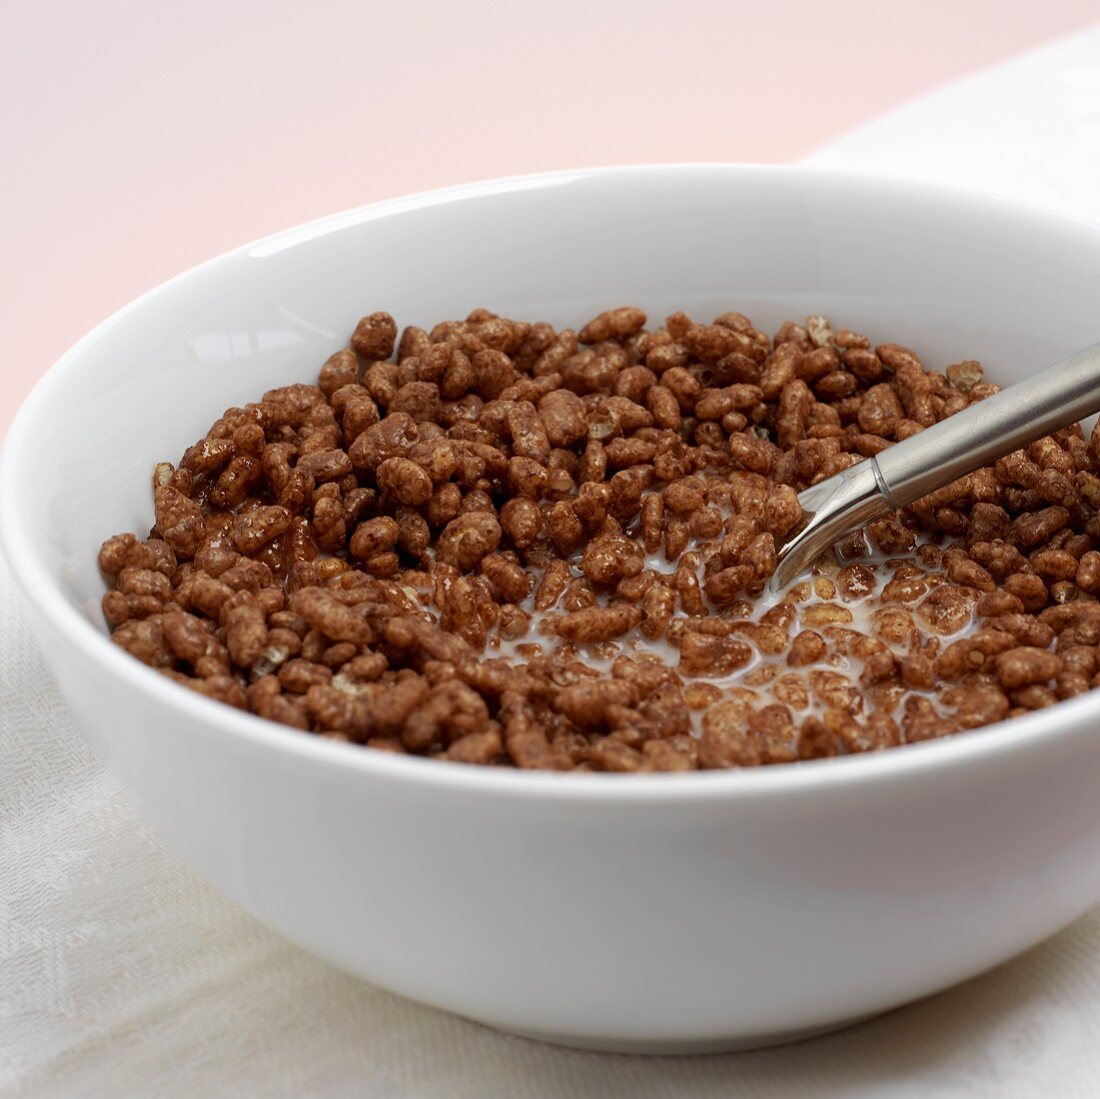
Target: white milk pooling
763	670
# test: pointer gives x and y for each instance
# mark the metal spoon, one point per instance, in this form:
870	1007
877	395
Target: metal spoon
906	471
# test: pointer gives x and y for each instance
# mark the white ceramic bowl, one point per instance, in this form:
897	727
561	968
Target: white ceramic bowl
665	912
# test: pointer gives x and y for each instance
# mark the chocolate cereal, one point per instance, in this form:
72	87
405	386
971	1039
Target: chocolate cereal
500	543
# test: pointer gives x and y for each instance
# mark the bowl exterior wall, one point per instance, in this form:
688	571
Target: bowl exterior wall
692	914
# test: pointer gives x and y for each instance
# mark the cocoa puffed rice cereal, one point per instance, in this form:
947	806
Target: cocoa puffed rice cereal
519	546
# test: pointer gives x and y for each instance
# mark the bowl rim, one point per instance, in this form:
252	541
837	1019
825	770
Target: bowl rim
974	747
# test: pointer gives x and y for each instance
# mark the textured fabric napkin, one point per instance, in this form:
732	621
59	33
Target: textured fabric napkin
122	973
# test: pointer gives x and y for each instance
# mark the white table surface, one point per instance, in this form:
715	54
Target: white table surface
122	973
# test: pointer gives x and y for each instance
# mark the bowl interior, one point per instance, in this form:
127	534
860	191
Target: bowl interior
954	275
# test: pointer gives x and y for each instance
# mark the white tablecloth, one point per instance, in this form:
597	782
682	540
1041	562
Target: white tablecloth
121	973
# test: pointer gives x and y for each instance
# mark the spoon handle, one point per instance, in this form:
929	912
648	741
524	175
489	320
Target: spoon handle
1052	399
906	471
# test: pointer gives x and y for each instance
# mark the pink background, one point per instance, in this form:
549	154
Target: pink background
140	138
